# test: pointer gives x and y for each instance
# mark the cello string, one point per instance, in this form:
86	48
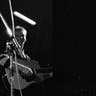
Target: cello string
13	32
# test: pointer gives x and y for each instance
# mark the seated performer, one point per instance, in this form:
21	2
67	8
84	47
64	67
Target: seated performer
29	70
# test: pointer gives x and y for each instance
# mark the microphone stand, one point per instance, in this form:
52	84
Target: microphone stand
12	76
17	46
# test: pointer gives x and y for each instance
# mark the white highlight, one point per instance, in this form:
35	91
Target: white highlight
21	16
9	31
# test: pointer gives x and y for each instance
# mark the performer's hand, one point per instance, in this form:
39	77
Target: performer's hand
28	58
4	59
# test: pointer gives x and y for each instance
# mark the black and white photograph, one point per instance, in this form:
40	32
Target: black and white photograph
47	48
26	52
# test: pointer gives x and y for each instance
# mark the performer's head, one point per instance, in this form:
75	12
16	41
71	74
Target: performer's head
20	34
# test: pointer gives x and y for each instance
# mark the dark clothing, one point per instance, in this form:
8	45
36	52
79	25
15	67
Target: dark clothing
3	88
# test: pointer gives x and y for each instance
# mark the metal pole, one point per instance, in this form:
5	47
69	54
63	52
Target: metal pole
11	58
11	77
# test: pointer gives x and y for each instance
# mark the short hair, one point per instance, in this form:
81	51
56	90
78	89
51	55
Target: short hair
21	29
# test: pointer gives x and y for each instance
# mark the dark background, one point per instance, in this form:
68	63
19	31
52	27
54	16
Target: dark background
72	26
75	42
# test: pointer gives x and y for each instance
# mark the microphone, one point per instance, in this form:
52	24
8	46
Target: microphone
21	16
